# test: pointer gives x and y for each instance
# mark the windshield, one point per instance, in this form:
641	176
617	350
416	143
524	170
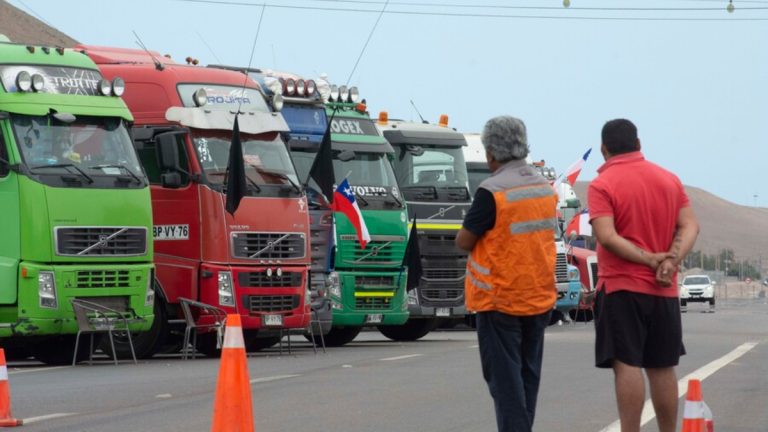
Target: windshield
696	280
266	161
94	146
430	166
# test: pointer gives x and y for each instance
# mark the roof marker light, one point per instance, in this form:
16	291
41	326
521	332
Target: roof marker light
443	120
24	81
38	82
31	49
200	97
60	50
46	50
354	94
105	87
383	117
118	86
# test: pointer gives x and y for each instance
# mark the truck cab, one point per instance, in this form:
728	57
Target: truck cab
76	218
254	263
432	175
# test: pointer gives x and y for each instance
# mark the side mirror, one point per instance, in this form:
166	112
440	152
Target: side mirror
168	151
346	155
171	180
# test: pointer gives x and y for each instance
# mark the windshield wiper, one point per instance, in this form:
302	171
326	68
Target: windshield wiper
363	200
399	203
121	166
226	176
65	165
279	175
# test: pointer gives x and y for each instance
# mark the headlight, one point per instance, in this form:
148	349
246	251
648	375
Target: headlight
118	86
343	94
46	290
38	82
332	281
290	87
277	102
200	97
333	95
149	296
413	299
354	94
573	273
23	81
226	293
311	88
301	87
105	87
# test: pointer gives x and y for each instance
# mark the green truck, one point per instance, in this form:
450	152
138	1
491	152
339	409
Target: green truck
368	286
76	219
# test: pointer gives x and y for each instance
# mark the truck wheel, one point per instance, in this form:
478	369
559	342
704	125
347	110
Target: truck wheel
340	336
412	330
581	315
15	349
58	350
145	344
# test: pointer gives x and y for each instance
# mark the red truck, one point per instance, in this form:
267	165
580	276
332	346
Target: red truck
586	261
255	263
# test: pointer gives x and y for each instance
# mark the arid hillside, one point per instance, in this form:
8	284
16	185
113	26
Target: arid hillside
723	223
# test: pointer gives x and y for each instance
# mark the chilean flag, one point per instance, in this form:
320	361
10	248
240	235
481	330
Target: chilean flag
573	171
344	201
579	225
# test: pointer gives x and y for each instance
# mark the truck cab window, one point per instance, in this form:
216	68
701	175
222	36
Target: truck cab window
4	168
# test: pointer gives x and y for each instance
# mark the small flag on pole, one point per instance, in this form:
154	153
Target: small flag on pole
572	173
344	202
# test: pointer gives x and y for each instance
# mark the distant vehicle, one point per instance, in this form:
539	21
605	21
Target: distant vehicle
697	288
765	282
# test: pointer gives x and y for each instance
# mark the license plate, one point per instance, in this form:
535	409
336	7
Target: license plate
272	320
374	318
443	312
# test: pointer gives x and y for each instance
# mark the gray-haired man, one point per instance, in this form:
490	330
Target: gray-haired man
510	282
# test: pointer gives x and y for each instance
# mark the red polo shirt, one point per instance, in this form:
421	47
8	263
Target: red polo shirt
644	200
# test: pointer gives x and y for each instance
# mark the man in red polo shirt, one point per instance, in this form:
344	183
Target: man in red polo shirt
644	226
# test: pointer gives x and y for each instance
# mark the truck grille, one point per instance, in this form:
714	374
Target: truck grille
442	294
441	241
444	273
118	303
276	303
260	279
102	279
561	268
381	250
368	303
375	281
101	241
268	246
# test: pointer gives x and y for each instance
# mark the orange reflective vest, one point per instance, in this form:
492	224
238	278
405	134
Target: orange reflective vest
512	266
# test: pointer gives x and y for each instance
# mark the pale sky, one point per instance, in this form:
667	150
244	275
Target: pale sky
694	81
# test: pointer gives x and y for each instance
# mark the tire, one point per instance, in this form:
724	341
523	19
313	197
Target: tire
145	344
340	336
59	350
412	330
15	349
712	302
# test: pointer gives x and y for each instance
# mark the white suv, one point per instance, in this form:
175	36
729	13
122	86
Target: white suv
697	288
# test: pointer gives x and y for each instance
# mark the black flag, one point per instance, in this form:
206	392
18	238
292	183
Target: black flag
236	186
412	259
322	167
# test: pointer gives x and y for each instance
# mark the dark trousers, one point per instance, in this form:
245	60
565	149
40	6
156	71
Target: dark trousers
511	349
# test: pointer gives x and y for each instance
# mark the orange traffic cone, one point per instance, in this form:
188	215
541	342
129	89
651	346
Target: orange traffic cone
5	396
232	408
696	414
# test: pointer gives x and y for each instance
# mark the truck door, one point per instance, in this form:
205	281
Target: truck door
9	223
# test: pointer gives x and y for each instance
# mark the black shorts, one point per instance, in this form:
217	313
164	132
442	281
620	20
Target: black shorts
637	329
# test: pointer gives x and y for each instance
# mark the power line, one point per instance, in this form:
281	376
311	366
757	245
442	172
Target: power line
469	15
35	13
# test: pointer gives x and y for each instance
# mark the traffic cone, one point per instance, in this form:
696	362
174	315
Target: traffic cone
5	396
232	407
695	418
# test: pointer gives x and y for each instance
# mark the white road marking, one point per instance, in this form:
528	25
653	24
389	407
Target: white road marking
682	385
164	396
46	417
272	378
474	346
346	366
401	357
21	371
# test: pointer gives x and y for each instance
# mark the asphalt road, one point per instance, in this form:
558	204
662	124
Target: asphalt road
374	384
